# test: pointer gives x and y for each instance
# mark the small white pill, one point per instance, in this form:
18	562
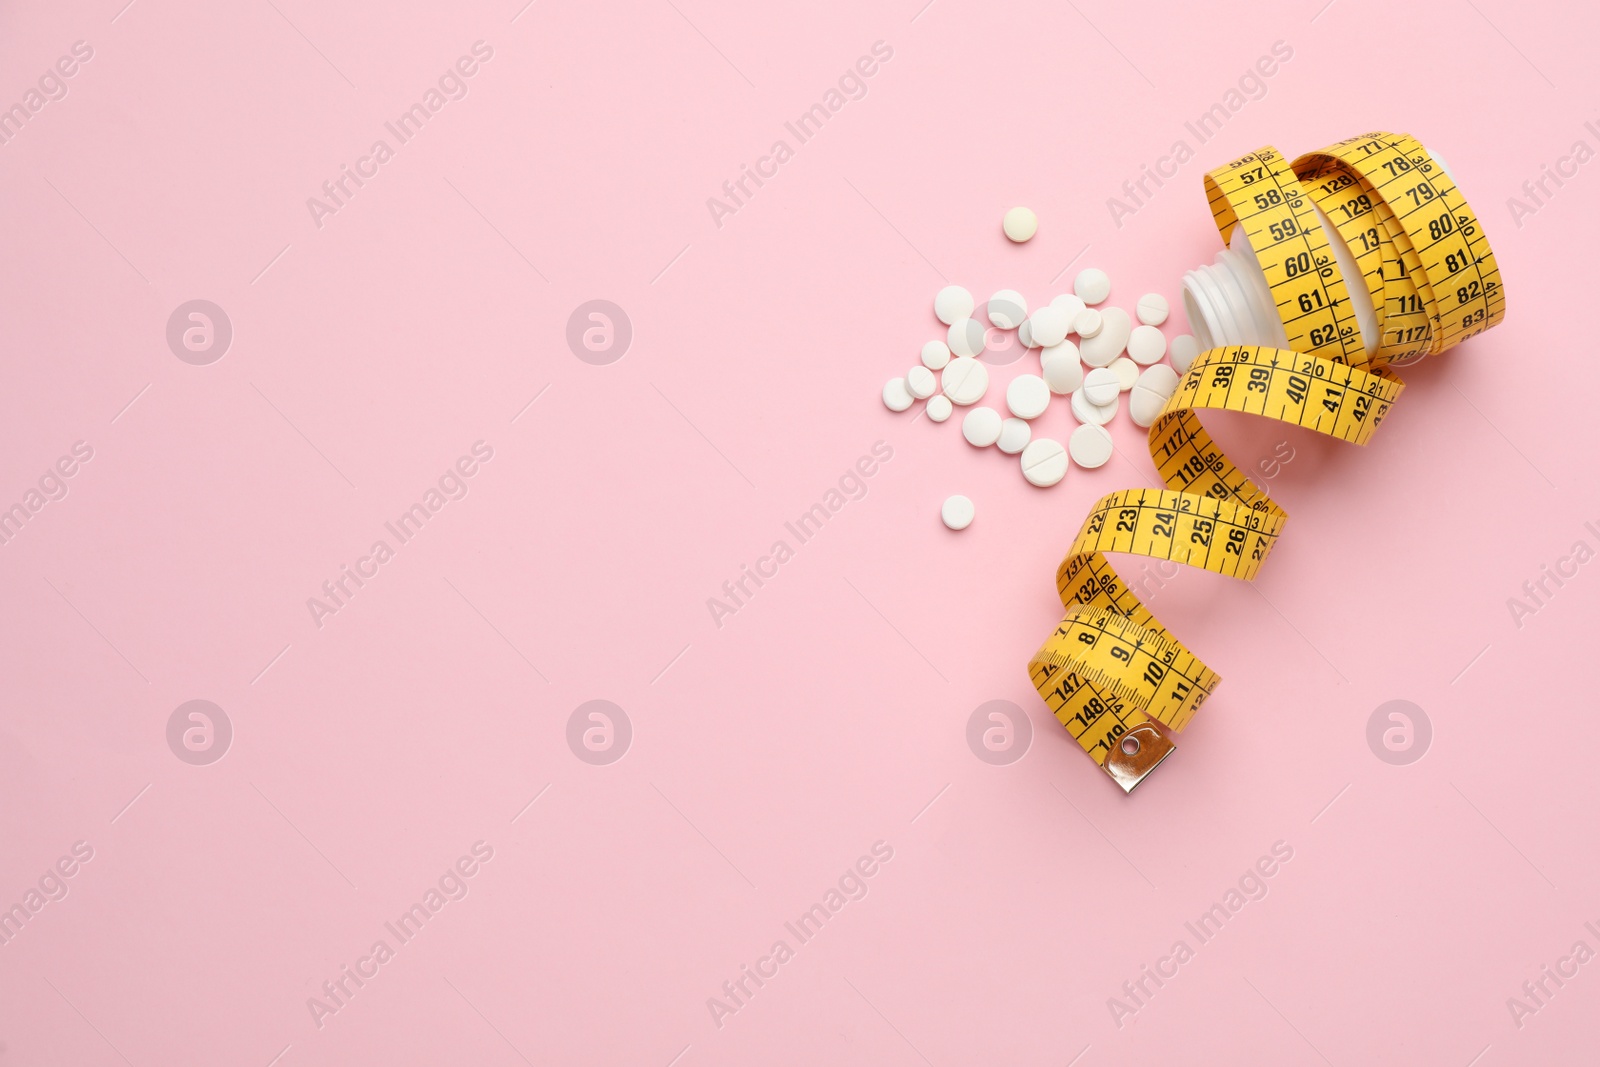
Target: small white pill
1160	379
965	381
1090	445
1025	334
920	382
1063	373
939	408
1182	352
1071	303
1044	462
1088	323
952	304
1020	224
1007	309
1027	396
1152	309
1146	344
1107	345
1096	414
981	427
1151	392
1101	386
1092	285
1048	326
1126	370
956	512
1014	435
935	354
965	337
896	397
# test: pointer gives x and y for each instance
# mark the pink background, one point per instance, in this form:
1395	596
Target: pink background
830	712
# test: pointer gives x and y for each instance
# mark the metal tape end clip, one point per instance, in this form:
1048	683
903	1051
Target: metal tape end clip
1137	753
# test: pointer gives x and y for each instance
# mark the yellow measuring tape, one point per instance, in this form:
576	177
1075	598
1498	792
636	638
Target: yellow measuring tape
1117	679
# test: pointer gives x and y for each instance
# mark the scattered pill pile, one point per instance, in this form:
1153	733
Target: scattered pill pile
1114	354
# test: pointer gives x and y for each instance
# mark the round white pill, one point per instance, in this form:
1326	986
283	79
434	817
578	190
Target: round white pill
965	337
1107	345
1182	352
1152	309
1044	462
1160	379
920	382
1007	309
1092	285
935	354
1096	414
1020	224
1150	395
1062	371
1014	435
981	427
939	408
1146	344
1071	303
1027	396
956	512
1087	323
1126	370
952	304
1025	334
1048	326
1090	445
896	397
965	381
1101	386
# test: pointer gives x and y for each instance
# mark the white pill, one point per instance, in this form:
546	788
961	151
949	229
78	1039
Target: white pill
1027	396
1007	309
981	427
956	512
965	381
920	381
896	397
1101	386
939	408
935	354
1146	344
1092	285
1090	445
1071	303
1087	323
1044	462
1014	435
1020	224
1144	407
1062	371
1126	370
1107	345
952	304
965	337
1182	352
1152	309
1160	379
1025	334
1096	414
1048	326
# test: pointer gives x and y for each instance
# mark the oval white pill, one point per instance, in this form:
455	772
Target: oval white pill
1152	309
1182	352
1048	326
1071	303
1150	395
1097	414
1160	379
956	512
965	381
896	397
935	354
1126	370
953	303
1090	445
1101	386
965	337
1014	435
1087	323
1025	334
1007	309
1062	371
981	427
920	382
1027	396
1020	223
1044	462
939	408
1146	344
1107	345
1092	285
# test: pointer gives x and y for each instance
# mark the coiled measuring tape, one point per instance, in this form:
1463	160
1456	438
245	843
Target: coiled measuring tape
1117	679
